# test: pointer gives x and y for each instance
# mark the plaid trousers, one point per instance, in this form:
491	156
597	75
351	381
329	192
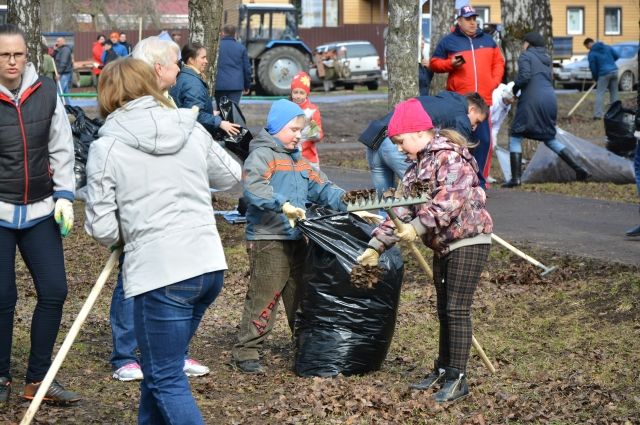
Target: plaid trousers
456	276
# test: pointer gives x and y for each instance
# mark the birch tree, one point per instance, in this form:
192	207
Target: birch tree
402	50
443	14
205	20
26	15
518	18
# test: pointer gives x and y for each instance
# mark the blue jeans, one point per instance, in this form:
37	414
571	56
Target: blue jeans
123	335
636	166
385	164
605	82
482	151
41	250
165	319
515	145
65	82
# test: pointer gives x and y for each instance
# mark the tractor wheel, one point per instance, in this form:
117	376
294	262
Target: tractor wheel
277	68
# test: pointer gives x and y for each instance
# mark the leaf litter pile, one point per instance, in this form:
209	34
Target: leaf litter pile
365	277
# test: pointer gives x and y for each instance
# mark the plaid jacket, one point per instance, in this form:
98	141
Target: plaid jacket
457	209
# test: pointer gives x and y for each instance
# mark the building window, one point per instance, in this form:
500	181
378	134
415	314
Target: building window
612	21
484	15
319	13
575	21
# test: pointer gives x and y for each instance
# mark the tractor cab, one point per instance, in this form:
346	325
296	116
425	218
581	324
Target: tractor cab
270	34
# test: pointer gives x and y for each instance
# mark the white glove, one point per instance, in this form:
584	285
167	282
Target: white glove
369	257
369	217
63	214
292	213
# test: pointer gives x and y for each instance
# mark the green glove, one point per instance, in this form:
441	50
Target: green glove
63	214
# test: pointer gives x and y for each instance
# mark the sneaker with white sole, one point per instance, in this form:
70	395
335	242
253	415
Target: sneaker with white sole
193	367
129	372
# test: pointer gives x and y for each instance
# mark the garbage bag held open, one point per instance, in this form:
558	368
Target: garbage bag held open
341	328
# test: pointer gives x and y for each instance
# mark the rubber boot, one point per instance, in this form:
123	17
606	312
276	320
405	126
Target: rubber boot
436	376
581	173
516	170
454	386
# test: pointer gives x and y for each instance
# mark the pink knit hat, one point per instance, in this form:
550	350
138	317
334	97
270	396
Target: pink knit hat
409	117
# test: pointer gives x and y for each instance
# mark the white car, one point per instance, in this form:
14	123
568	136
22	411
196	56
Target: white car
360	61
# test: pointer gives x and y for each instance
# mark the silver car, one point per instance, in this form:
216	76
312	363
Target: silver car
578	73
359	62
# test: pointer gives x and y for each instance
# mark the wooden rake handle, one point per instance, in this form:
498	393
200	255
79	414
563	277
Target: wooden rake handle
71	336
425	267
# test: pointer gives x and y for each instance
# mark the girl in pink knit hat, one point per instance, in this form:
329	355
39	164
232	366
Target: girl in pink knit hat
454	223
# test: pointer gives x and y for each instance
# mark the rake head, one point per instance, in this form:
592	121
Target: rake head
364	200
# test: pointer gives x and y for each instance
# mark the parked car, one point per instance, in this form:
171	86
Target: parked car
578	73
359	61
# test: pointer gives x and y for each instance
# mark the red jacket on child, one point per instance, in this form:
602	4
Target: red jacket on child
312	132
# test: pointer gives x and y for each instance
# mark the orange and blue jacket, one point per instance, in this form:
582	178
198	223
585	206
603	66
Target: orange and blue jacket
483	69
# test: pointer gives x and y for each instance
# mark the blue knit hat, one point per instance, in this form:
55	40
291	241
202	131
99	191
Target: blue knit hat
282	111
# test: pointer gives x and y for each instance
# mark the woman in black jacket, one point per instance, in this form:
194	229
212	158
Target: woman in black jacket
537	108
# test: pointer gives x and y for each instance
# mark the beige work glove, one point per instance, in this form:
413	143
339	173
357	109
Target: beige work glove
293	213
63	214
406	232
369	257
369	217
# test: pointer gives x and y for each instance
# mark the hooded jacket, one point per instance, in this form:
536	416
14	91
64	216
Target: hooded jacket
602	60
483	69
148	179
55	159
537	106
273	175
456	215
312	127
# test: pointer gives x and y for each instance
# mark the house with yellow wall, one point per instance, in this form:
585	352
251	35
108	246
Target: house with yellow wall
611	21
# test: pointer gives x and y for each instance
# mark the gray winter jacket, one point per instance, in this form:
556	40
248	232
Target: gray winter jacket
148	179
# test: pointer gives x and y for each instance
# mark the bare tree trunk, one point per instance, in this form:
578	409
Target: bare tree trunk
402	50
518	18
205	19
26	15
443	14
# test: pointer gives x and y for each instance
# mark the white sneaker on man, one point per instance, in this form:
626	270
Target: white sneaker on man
129	372
192	367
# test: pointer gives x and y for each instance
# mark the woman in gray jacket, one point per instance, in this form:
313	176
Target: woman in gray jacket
148	179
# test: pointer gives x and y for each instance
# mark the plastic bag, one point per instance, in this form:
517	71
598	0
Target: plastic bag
85	131
604	166
341	328
238	144
619	124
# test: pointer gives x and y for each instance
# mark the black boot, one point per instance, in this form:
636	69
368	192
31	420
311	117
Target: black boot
436	376
5	389
454	386
516	170
633	232
581	173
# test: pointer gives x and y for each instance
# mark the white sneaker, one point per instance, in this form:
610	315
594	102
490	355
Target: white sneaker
129	372
193	367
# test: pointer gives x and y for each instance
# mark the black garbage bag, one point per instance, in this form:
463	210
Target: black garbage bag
238	144
341	328
85	131
619	125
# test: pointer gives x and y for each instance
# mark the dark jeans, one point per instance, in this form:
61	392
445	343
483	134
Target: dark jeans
41	250
165	320
482	151
456	276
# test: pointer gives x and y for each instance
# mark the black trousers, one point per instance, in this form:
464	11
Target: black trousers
456	276
41	250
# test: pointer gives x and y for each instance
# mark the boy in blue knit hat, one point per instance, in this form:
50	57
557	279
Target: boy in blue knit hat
278	184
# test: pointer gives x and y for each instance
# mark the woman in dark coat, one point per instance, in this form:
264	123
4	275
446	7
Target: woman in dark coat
537	108
191	90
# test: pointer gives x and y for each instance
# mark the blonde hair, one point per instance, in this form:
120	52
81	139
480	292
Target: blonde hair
449	134
124	80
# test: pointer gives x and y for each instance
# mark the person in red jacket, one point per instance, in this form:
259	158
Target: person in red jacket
96	51
312	132
475	64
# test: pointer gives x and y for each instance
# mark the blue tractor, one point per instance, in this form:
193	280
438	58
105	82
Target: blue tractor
270	34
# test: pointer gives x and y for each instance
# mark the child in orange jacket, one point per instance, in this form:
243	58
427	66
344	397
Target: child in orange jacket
312	132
